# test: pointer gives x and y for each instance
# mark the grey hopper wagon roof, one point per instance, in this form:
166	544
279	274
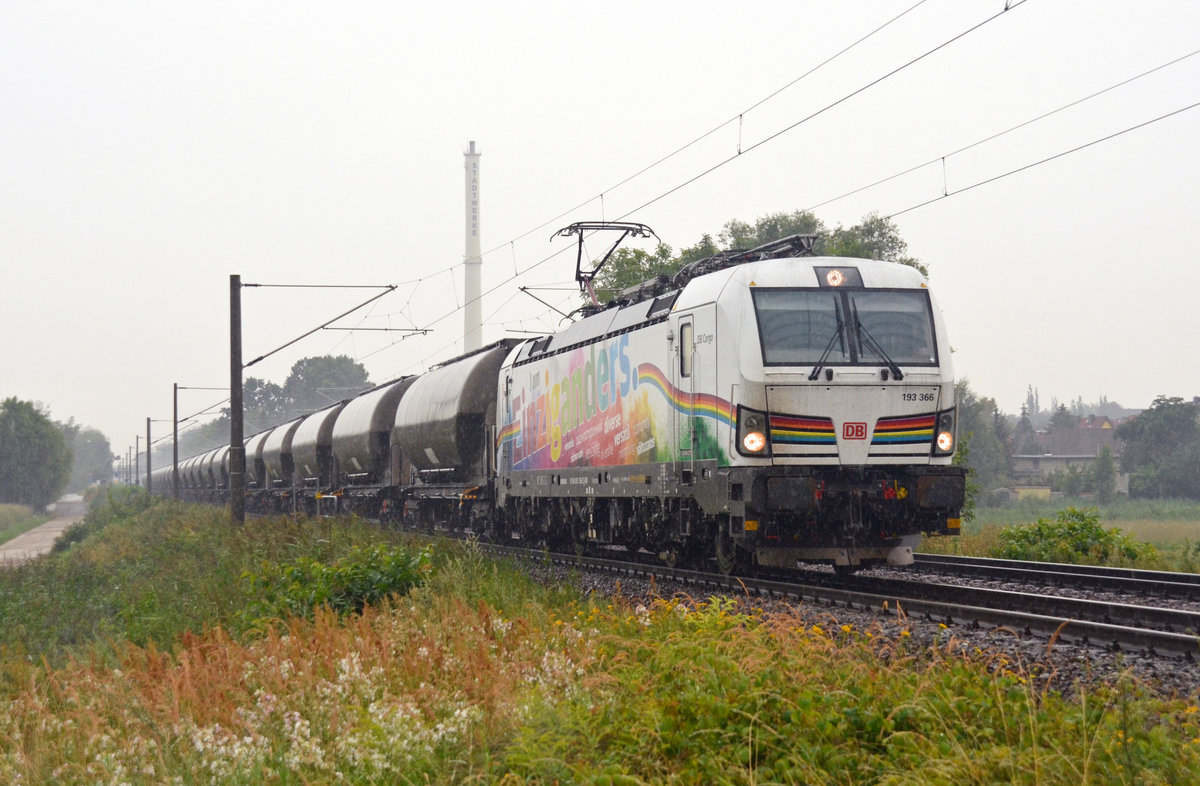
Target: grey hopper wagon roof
207	479
254	451
277	452
185	472
442	418
363	429
313	435
217	467
200	477
194	465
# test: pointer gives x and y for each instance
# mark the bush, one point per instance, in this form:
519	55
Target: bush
366	575
123	502
1075	536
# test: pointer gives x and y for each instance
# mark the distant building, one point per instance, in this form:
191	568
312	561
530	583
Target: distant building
1064	447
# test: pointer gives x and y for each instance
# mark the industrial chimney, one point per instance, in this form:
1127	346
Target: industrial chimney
473	309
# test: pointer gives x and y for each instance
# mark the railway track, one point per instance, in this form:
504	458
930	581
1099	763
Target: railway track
1117	627
1143	583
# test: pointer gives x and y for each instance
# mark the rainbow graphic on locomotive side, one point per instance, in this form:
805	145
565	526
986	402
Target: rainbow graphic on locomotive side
593	407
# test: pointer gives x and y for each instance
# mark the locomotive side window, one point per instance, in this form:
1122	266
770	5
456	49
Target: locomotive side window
687	345
796	325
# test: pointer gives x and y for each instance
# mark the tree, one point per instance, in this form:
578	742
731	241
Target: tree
1025	440
35	460
315	383
875	237
92	455
1162	449
977	418
1062	418
1104	475
629	267
773	226
265	403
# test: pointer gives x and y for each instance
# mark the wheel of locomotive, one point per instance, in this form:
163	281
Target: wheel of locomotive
498	526
525	527
728	555
579	529
552	534
633	527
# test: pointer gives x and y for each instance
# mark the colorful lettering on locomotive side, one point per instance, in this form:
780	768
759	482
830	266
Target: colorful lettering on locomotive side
585	408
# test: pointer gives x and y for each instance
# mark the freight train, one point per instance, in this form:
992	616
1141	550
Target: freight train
762	407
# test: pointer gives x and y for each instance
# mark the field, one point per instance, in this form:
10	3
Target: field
1171	527
160	645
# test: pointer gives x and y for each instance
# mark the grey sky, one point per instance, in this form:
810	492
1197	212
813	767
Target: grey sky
148	150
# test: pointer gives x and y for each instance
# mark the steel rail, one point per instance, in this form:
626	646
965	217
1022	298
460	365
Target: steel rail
897	599
1147	582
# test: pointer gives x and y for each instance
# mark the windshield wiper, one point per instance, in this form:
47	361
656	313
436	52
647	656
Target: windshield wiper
865	337
837	332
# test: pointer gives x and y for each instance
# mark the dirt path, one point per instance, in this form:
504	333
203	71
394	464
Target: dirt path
35	542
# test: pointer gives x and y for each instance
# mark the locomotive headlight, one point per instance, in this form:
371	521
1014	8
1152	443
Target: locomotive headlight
751	432
943	441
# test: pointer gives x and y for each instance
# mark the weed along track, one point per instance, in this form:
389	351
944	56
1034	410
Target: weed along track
160	644
1067	636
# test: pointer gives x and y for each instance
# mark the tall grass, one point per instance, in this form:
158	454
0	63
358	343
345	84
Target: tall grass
481	675
1185	512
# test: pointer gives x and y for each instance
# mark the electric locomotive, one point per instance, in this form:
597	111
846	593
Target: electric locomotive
760	407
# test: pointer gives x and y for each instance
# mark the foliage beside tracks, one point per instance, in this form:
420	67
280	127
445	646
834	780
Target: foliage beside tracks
1075	536
1146	534
298	588
147	571
481	675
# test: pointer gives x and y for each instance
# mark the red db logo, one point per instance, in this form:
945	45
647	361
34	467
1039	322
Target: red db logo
854	431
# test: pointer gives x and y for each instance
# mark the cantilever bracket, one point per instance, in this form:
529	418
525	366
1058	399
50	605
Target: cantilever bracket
626	228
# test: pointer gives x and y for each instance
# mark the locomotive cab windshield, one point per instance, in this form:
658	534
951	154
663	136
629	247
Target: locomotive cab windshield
846	327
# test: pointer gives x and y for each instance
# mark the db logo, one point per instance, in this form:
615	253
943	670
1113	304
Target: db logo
854	431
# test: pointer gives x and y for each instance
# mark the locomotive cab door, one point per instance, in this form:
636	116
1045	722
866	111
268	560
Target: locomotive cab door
695	372
685	368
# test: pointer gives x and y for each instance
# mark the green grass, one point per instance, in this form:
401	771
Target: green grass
18	519
476	674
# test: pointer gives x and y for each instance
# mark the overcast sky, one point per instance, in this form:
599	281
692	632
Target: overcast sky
150	150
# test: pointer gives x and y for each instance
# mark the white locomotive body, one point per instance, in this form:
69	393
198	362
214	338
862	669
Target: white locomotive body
775	410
